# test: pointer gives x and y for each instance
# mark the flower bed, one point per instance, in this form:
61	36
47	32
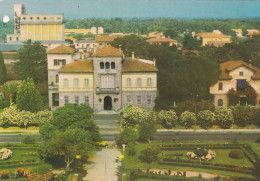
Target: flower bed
5	153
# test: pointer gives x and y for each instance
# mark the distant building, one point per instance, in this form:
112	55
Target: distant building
215	38
106	81
156	35
37	27
235	75
77	31
86	46
239	32
252	32
162	41
106	40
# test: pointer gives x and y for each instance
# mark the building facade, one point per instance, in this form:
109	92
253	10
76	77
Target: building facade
236	75
37	27
106	81
215	38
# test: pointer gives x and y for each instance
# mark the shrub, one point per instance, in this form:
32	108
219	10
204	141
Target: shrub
130	149
205	105
13	116
257	117
134	115
237	154
206	119
243	115
128	135
224	117
251	96
146	131
199	152
187	119
168	119
183	106
149	154
28	140
4	102
233	97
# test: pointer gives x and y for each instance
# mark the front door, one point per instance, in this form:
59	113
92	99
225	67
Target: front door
107	103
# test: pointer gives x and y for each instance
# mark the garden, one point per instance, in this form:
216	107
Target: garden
173	161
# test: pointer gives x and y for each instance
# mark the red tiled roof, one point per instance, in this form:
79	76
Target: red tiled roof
78	66
107	38
161	40
62	49
230	65
107	51
212	35
133	65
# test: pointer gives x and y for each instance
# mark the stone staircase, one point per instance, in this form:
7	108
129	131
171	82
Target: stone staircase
108	123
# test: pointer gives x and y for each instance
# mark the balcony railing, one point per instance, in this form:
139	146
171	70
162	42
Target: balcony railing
107	90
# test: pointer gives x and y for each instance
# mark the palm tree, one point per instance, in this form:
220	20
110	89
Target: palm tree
9	89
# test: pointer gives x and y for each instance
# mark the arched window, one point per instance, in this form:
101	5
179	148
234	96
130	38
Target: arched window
113	65
65	83
220	102
107	65
149	82
101	65
139	82
128	82
86	83
75	83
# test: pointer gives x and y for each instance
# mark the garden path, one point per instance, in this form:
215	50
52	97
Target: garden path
102	166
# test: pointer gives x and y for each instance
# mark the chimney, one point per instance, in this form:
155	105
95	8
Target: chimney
154	61
133	55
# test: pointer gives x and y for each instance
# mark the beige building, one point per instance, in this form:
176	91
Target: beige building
37	27
215	38
162	41
235	75
105	81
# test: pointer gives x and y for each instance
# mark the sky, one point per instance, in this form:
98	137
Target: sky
188	9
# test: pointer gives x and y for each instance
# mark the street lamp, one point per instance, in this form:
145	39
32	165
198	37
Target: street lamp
196	98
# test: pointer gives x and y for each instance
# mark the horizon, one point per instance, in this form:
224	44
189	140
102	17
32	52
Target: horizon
142	9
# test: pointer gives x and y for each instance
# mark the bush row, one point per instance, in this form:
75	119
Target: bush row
8	163
12	116
180	163
221	116
171	159
4	102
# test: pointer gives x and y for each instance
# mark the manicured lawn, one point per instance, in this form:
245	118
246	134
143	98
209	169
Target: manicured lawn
222	157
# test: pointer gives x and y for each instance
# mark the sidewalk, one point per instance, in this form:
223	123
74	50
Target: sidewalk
102	166
210	131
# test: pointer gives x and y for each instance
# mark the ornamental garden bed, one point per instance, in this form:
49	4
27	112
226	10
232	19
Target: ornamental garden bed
22	156
173	156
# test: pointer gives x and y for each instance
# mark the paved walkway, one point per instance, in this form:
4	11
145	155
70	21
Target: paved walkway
102	166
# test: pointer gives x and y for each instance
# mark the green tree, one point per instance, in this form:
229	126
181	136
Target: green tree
9	89
233	97
168	119
29	97
47	131
32	62
128	135
146	130
190	43
76	116
3	76
132	43
70	143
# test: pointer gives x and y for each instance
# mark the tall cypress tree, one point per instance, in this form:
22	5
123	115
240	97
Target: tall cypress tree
3	76
28	96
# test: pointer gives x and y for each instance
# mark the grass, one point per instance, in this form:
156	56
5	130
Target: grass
131	162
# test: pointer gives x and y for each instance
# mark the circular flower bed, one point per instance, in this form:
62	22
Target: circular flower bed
5	153
202	154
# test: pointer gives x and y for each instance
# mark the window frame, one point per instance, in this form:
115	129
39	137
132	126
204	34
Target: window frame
75	83
65	83
220	86
139	100
149	99
66	100
138	82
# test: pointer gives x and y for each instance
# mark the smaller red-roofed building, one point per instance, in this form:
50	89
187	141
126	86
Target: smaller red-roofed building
237	75
104	40
252	32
